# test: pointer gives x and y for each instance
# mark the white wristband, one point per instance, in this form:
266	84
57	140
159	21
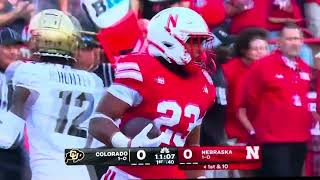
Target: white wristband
103	116
120	140
202	177
100	115
252	132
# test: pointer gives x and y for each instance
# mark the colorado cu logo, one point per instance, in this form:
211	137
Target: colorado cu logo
74	155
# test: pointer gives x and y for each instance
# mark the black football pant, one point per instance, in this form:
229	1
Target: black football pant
14	164
282	159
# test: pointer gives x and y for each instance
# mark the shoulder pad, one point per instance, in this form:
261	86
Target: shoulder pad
27	75
127	68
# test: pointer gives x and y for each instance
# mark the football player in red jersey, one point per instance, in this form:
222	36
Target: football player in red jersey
168	85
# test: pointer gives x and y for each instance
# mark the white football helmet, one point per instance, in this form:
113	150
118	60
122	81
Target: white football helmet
173	31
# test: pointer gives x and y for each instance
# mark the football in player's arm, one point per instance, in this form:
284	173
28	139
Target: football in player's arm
111	108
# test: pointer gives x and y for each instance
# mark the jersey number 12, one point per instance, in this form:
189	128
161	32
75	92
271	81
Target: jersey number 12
66	109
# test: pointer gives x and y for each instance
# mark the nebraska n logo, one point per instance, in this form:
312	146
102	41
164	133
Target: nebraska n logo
252	152
172	22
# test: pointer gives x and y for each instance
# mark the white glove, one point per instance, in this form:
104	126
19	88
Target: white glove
142	140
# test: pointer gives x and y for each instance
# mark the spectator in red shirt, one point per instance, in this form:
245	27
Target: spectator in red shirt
213	12
247	13
276	99
279	14
250	45
282	12
312	162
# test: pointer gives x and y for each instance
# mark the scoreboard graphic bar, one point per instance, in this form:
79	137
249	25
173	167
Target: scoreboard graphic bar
228	157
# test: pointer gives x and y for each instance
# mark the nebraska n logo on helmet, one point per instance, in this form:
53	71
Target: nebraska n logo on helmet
172	22
170	31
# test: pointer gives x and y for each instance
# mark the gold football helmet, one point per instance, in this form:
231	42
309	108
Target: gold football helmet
54	33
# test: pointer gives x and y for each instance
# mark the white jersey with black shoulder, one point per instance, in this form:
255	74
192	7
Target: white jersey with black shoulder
60	102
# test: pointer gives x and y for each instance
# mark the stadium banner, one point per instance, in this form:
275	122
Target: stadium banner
211	158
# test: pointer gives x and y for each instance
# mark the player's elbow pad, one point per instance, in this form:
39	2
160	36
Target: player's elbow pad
11	129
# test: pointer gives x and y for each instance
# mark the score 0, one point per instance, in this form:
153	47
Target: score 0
187	154
141	154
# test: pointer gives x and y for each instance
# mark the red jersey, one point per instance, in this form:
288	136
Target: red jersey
276	12
255	17
206	7
175	104
277	100
235	71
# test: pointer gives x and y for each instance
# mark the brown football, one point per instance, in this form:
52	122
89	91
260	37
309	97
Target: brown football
135	126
